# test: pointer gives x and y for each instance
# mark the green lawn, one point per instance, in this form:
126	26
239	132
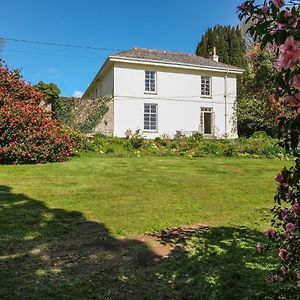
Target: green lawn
59	225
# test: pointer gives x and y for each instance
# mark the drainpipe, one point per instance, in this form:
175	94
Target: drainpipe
225	98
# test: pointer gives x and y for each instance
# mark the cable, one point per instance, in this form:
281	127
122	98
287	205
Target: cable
59	45
52	54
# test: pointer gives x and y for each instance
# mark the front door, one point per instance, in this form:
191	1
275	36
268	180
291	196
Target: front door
207	122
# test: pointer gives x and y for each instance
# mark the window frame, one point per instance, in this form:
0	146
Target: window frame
149	82
150	113
210	86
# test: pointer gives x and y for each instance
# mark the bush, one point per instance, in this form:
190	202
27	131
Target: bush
134	140
28	134
260	135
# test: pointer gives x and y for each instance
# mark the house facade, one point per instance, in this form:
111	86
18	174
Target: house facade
163	93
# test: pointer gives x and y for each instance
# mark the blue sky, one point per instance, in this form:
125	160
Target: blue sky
118	24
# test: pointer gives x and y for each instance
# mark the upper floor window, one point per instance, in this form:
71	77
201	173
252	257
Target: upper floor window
205	86
150	81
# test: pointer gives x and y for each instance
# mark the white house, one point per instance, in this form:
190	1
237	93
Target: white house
162	92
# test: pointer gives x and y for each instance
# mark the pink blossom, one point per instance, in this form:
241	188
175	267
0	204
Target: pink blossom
279	177
289	54
243	6
296	209
293	22
293	100
264	9
284	212
278	3
284	269
290	227
274	278
295	81
270	233
287	13
283	254
298	275
259	247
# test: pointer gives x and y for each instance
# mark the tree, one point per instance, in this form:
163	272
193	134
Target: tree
255	109
229	43
277	25
50	91
28	133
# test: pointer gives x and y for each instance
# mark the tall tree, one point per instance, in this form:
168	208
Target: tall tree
50	91
256	110
229	42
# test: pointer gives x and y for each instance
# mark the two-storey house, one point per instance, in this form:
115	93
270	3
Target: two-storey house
162	92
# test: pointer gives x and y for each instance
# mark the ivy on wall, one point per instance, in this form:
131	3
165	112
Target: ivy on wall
81	114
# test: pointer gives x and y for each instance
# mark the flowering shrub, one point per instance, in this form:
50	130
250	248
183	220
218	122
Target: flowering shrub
28	134
276	25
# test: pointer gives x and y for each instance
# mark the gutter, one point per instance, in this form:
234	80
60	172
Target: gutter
225	98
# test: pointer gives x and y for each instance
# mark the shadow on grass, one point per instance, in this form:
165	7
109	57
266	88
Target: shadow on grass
50	253
217	263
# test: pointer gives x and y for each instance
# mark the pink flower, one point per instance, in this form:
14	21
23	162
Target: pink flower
270	233
274	278
293	100
284	270
298	275
295	81
290	227
296	210
278	3
243	6
283	254
289	54
293	22
259	247
279	177
264	9
287	13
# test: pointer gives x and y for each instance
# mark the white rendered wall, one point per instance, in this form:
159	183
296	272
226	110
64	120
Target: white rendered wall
177	96
104	86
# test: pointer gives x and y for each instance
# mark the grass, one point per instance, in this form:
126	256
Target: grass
60	223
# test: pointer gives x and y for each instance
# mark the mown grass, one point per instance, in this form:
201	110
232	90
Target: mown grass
59	225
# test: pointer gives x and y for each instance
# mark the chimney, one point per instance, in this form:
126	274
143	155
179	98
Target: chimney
215	57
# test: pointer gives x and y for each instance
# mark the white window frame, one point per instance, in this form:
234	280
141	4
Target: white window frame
148	115
206	82
150	79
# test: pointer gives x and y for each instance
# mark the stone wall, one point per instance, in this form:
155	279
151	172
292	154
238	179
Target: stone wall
89	116
106	126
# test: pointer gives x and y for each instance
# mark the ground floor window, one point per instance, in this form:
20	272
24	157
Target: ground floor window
207	120
150	116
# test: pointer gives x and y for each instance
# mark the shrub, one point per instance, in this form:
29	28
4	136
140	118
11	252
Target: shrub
134	140
260	135
28	134
197	136
277	27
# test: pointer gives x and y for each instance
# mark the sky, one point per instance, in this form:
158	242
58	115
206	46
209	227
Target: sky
174	25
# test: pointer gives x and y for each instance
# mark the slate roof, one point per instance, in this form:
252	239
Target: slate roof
173	58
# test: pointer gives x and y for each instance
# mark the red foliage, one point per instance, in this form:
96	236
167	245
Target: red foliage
28	134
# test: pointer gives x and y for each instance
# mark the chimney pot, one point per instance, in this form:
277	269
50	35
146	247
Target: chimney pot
215	57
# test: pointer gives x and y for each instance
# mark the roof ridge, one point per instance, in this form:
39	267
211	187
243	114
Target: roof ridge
162	51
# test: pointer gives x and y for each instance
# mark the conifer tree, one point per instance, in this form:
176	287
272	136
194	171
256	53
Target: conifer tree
229	43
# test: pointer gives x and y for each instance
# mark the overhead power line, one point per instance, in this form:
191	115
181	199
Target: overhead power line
58	44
